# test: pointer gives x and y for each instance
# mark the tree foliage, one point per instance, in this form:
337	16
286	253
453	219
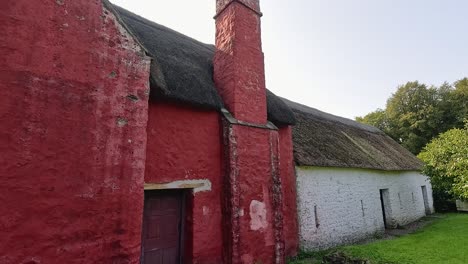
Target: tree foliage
446	162
416	113
459	101
377	119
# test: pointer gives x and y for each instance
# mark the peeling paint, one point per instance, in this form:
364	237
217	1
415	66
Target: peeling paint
258	214
121	122
206	210
241	212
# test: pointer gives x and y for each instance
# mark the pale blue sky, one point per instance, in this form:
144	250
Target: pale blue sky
345	57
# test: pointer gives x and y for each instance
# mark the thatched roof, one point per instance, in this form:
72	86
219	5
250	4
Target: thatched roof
182	71
182	68
325	140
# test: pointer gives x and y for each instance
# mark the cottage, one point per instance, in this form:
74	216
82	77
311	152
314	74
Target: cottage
185	145
124	141
353	181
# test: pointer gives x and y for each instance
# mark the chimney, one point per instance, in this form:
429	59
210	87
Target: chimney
239	71
252	194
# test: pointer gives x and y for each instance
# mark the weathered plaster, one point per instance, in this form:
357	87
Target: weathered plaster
73	146
251	166
196	185
239	71
250	187
340	206
288	188
258	213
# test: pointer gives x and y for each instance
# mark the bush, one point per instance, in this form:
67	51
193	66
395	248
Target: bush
444	202
446	164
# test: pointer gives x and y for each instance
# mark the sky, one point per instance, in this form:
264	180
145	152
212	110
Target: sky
344	57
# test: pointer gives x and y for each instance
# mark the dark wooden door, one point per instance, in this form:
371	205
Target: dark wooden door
162	227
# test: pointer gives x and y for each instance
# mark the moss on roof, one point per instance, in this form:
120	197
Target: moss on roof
325	140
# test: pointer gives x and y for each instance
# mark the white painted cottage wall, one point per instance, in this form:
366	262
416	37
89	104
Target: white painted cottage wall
348	204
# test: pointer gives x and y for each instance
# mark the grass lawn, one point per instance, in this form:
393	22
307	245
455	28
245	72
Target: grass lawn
443	241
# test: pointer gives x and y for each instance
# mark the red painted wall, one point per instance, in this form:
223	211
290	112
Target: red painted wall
254	168
185	144
288	180
73	114
253	210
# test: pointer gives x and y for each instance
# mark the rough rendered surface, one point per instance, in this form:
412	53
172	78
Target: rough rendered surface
348	203
239	72
73	112
251	196
184	144
288	181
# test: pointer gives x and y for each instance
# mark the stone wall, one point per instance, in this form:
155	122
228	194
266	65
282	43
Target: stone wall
340	206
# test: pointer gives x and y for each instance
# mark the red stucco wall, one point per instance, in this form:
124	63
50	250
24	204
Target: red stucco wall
253	211
185	144
73	114
288	180
257	243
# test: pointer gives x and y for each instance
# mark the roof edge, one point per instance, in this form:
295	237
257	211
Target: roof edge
111	7
312	167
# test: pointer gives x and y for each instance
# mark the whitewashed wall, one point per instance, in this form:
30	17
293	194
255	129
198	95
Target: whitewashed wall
348	206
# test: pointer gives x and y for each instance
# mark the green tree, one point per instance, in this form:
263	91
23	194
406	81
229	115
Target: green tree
446	162
416	113
378	119
459	102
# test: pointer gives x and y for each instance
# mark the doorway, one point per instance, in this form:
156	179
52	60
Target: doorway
426	201
162	236
386	209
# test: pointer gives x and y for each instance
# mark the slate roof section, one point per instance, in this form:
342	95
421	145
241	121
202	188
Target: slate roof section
182	68
324	140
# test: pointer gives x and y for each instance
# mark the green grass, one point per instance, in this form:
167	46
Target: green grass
443	241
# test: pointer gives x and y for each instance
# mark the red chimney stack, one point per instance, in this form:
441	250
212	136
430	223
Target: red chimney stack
238	66
253	216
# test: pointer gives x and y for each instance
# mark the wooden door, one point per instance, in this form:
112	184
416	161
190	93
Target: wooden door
162	227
